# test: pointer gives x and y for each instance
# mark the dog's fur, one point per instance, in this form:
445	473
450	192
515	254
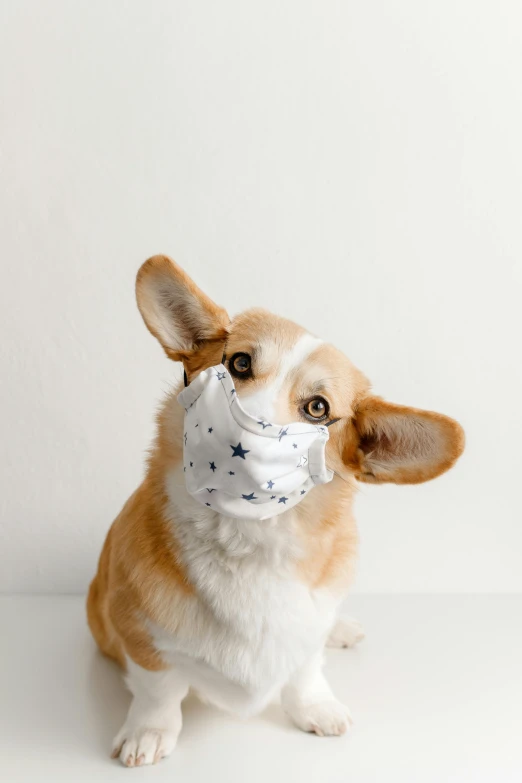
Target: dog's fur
240	610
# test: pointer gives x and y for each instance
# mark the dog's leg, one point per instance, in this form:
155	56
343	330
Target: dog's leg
346	632
310	703
153	722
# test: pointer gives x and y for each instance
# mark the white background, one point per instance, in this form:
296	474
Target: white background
355	166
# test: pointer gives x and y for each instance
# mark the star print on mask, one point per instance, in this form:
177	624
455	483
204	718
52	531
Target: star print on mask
297	464
239	451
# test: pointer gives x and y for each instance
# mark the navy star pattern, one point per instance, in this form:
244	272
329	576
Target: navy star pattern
239	451
220	375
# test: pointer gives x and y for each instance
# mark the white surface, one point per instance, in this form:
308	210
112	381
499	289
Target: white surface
435	690
354	166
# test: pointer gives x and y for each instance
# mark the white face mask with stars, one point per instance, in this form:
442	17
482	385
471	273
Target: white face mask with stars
241	466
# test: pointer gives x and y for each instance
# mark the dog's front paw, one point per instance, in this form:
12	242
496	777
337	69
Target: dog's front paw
142	745
326	718
347	632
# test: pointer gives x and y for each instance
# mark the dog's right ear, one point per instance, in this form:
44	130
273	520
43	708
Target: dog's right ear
178	314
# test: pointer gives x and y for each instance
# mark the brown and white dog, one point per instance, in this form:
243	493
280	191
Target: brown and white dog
240	610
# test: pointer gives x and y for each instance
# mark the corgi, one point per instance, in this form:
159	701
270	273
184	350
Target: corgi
239	610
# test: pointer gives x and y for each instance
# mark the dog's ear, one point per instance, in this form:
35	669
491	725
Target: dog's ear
399	444
177	312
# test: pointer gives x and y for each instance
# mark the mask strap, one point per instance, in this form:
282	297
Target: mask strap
223	360
329	423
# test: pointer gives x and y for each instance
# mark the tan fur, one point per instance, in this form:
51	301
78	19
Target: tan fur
141	569
266	337
140	553
329	537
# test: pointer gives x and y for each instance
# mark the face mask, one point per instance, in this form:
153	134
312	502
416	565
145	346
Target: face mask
242	466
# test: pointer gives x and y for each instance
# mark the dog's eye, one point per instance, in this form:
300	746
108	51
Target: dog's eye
240	365
316	409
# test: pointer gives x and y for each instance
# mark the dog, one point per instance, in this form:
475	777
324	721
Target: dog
240	609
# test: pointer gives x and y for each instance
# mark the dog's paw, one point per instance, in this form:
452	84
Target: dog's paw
326	718
347	632
142	745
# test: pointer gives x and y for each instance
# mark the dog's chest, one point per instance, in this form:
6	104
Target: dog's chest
245	645
253	622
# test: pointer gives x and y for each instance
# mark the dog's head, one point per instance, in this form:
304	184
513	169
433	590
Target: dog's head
284	374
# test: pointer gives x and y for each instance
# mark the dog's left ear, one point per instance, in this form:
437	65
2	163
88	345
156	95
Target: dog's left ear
188	324
394	443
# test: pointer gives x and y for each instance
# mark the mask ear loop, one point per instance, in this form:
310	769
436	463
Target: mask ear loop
329	423
223	360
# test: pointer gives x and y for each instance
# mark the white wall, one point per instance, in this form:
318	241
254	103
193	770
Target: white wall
355	166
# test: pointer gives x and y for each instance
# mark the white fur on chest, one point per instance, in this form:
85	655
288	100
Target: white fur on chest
252	623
